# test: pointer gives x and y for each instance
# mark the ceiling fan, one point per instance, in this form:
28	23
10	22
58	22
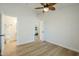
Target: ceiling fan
47	6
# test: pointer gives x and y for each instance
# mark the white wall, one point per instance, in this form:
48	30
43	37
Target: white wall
0	32
62	26
25	23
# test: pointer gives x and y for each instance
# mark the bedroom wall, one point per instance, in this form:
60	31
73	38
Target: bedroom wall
61	26
0	32
26	20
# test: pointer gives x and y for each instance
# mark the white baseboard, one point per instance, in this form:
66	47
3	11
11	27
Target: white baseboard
64	46
27	42
23	43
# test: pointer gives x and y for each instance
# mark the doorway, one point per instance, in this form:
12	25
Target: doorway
8	32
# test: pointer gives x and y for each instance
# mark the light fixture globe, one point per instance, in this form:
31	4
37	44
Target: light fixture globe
46	9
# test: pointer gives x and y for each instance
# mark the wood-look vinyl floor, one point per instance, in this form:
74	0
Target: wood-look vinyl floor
43	49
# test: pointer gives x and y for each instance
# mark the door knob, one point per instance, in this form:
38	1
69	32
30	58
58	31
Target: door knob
2	35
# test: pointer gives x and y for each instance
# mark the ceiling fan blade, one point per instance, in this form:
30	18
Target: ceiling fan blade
51	4
51	8
42	4
39	8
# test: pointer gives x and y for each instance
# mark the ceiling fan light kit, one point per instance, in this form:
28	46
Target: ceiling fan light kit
46	9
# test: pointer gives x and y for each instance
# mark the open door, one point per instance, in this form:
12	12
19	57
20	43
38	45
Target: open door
8	30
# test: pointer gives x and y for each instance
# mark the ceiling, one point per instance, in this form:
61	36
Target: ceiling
58	5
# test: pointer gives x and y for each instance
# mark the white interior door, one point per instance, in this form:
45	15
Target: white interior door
9	38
